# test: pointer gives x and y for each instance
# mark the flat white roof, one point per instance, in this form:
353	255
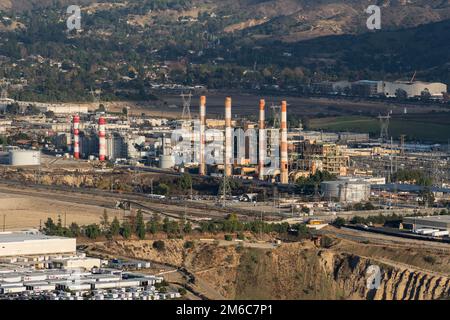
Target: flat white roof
444	218
23	236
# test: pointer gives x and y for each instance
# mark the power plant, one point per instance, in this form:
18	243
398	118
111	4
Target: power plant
250	151
259	152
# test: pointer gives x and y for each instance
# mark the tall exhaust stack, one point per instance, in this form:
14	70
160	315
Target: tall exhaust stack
262	140
284	174
101	139
202	167
228	138
76	137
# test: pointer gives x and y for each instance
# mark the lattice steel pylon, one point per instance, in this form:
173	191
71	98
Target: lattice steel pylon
96	96
186	114
384	127
276	113
4	90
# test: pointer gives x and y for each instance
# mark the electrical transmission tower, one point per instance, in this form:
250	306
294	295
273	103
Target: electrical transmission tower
384	127
276	112
402	144
226	190
186	98
96	97
4	90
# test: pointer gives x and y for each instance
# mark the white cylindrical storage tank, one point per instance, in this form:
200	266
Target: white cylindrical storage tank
24	158
166	161
330	189
346	191
355	191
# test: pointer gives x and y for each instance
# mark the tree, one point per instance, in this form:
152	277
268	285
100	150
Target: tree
154	225
187	227
104	221
339	222
49	227
126	230
425	94
49	114
92	231
140	225
114	228
162	189
182	291
401	94
159	245
74	229
188	244
185	182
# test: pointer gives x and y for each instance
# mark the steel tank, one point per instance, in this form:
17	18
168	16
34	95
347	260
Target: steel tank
24	158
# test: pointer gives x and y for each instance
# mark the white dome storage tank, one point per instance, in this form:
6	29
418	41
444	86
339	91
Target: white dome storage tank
24	158
346	191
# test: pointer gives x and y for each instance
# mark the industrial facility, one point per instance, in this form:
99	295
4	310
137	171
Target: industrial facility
374	88
33	265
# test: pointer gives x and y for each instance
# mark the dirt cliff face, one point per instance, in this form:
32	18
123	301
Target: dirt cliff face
291	271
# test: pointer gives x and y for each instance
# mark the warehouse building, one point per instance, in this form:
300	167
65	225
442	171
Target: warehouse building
34	243
414	89
433	222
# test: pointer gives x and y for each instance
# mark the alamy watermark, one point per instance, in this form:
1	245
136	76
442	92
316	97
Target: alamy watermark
244	146
74	20
373	277
374	20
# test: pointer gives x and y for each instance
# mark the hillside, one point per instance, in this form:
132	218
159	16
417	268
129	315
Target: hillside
289	20
300	270
124	47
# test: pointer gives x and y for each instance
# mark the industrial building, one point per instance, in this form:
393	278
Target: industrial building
34	243
414	89
374	88
441	223
321	157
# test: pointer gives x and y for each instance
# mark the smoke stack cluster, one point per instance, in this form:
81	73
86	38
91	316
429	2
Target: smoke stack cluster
202	168
101	139
262	140
76	137
228	138
284	175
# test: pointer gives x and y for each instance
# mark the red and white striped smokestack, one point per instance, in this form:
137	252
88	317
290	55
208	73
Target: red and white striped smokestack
101	139
284	174
76	137
228	138
262	140
202	167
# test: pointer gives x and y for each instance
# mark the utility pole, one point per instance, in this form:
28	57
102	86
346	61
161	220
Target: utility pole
4	222
151	185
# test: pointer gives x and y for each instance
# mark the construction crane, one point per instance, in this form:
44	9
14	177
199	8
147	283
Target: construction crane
413	77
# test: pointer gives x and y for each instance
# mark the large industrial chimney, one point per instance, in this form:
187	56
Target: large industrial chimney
228	138
101	139
262	140
76	137
284	174
202	166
